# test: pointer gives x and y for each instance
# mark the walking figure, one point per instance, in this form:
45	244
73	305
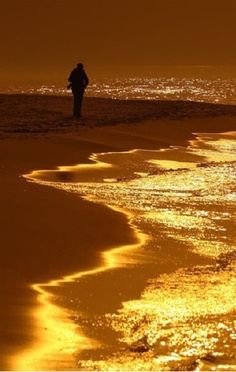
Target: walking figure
78	82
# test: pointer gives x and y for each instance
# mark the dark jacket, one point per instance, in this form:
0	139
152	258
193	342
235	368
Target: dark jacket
78	78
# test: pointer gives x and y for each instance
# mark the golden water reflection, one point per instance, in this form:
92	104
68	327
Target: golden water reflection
180	198
59	340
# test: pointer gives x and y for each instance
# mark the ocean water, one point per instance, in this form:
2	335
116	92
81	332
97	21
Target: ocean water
217	90
181	203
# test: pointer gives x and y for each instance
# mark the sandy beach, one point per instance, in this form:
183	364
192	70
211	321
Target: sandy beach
48	234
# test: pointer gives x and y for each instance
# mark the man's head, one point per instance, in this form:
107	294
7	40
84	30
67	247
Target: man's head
80	66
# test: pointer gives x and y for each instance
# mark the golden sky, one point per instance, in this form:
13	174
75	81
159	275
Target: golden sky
48	37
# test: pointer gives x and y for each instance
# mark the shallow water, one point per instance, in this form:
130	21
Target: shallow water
181	204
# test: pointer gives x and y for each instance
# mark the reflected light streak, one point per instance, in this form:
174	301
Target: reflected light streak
59	340
96	165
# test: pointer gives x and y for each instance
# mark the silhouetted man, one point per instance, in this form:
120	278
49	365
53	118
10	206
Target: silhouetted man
78	82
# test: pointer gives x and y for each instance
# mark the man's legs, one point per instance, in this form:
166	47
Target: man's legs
78	98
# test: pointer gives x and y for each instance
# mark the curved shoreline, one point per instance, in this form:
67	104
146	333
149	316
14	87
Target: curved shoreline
110	259
26	229
193	261
44	245
50	316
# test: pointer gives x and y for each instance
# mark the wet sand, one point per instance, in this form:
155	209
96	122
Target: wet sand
44	234
47	233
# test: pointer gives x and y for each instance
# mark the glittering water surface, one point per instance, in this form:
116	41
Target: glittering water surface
193	89
183	200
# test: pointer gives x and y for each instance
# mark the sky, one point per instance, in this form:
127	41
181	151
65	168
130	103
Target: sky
46	38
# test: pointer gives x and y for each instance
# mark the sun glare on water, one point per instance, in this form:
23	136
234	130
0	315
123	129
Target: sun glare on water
183	207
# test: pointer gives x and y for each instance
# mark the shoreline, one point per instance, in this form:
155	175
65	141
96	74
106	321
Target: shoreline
45	240
23	152
51	316
194	259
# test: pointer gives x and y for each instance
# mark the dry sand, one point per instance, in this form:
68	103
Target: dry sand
41	227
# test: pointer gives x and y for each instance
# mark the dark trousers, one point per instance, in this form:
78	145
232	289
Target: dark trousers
78	94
